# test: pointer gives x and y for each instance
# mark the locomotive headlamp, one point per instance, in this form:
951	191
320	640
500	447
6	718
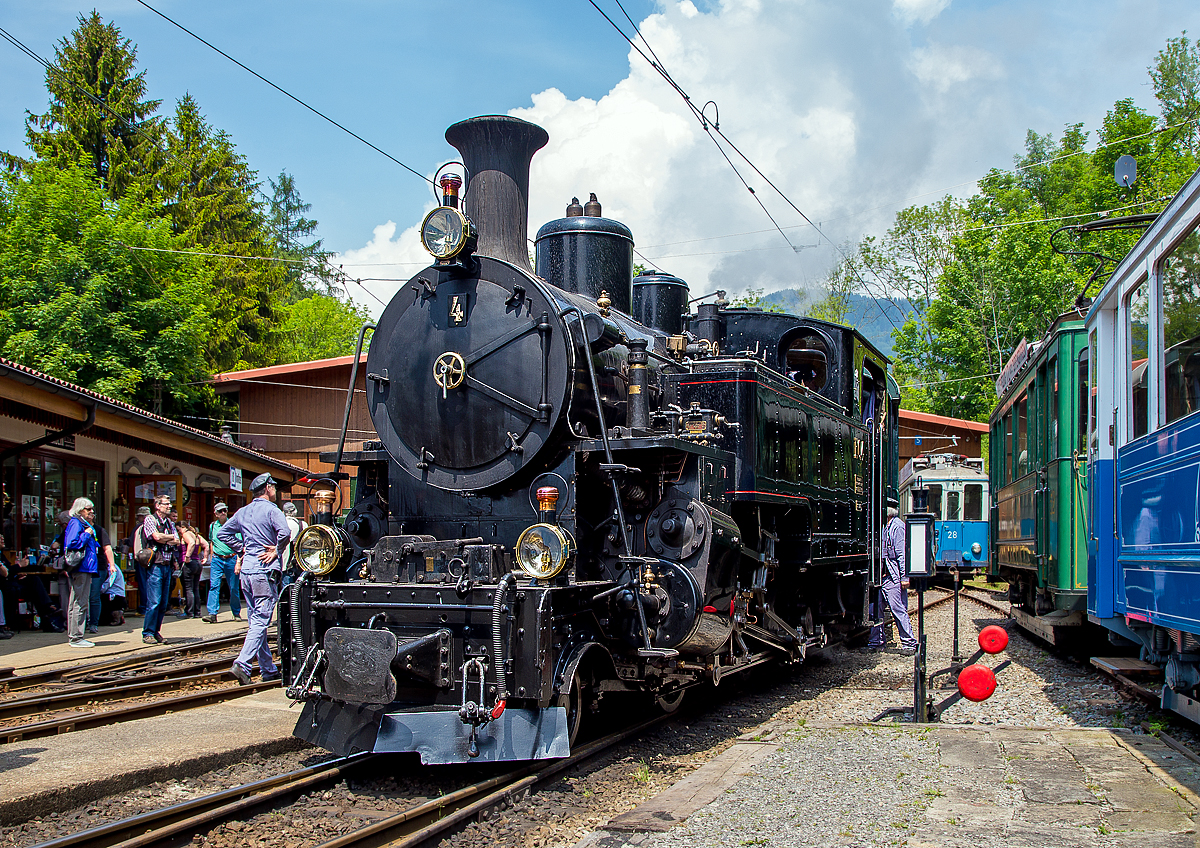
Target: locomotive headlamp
543	550
446	232
976	549
319	549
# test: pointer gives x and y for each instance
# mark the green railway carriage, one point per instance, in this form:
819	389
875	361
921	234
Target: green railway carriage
1038	476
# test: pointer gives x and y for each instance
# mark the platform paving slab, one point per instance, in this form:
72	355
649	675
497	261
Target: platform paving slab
34	651
938	785
53	774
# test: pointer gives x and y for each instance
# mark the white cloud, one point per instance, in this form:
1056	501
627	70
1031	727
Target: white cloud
940	67
923	11
382	261
846	107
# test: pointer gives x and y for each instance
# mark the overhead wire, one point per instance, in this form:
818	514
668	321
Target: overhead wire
714	127
286	93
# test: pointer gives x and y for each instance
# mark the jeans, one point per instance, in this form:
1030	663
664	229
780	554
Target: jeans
221	570
143	582
261	596
158	594
93	619
190	577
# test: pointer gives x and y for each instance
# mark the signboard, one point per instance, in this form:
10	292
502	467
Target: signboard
1013	367
235	478
66	442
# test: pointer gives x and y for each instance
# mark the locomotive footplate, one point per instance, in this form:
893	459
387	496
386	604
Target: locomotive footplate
439	736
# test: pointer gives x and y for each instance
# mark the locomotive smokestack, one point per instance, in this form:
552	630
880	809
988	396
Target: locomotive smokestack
496	151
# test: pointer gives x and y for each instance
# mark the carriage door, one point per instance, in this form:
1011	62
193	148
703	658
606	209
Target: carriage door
1038	429
873	402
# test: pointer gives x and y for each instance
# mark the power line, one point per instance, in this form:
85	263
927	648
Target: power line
50	66
286	93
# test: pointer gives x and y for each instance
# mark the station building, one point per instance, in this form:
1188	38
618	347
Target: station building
922	432
59	441
295	412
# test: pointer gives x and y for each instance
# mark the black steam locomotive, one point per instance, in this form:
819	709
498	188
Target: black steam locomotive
578	488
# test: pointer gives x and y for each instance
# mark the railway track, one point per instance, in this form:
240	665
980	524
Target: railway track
117	665
178	824
125	678
967	594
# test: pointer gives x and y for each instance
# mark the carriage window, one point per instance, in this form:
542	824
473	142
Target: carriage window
1022	437
953	513
973	502
1007	434
806	361
1052	447
1081	410
1137	310
1093	424
1180	280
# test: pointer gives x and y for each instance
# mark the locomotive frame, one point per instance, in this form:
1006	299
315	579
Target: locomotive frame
709	490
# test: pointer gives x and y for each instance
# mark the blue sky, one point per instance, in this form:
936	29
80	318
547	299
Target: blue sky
855	107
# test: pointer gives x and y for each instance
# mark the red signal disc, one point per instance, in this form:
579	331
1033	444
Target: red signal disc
976	682
993	639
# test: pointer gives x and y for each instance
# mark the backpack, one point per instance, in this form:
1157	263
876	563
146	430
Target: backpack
143	552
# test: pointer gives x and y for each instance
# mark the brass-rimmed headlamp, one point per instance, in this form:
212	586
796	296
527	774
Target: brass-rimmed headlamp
544	550
446	231
320	549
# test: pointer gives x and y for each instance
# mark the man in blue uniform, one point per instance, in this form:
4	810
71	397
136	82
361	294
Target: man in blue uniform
894	591
256	533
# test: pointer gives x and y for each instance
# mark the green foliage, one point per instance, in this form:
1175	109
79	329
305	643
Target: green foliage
307	271
115	141
980	275
108	173
319	327
211	196
77	303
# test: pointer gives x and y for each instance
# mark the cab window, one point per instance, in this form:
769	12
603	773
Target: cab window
973	502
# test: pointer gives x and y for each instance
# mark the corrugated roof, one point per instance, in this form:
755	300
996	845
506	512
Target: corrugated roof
29	376
944	421
290	368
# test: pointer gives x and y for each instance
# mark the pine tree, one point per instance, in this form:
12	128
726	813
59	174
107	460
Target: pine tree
294	240
211	195
99	116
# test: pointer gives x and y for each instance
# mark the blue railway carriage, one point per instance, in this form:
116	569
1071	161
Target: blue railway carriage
1038	477
958	499
1144	443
